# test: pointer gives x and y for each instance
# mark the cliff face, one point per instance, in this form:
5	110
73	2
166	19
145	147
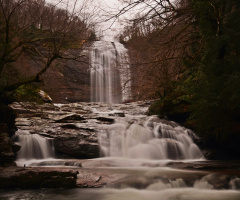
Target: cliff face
65	81
68	82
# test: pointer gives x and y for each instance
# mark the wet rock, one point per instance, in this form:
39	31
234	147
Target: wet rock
206	165
37	178
57	163
91	179
105	119
70	126
218	181
23	122
69	118
15	147
77	146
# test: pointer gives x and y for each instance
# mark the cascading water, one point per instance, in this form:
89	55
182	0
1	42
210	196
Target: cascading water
110	73
33	146
145	159
152	139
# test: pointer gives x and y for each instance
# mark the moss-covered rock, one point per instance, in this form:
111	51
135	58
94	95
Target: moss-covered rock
31	93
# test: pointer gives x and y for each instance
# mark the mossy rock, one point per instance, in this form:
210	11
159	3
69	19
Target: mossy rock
30	93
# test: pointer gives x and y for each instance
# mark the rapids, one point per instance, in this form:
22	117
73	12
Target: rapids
140	156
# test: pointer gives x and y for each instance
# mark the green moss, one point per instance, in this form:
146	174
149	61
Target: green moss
28	93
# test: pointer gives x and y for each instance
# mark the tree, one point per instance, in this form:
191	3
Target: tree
42	32
204	35
216	95
161	36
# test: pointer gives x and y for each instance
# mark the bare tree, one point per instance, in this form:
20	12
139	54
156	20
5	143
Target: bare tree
159	39
43	32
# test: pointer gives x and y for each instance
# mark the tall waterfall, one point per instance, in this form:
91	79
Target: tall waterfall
110	73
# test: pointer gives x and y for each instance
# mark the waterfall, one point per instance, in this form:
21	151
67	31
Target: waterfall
110	73
33	146
153	139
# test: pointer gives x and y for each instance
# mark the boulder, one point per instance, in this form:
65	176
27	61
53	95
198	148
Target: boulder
45	97
78	145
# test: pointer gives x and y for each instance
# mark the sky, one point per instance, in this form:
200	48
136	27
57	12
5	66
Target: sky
103	9
110	28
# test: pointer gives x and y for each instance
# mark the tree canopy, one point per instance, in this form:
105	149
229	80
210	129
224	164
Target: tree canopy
189	51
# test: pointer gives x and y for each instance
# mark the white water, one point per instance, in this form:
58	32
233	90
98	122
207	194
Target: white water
138	147
110	73
33	146
151	139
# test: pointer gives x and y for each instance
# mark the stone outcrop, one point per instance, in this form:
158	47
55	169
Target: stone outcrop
37	178
7	129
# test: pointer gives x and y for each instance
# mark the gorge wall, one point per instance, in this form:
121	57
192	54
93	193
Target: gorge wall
103	75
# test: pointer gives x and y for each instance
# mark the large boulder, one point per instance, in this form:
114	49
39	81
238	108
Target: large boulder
75	142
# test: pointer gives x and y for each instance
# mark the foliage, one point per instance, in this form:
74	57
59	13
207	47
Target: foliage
176	106
216	95
196	46
39	32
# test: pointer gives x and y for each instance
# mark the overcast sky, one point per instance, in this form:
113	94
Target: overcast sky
108	28
102	9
